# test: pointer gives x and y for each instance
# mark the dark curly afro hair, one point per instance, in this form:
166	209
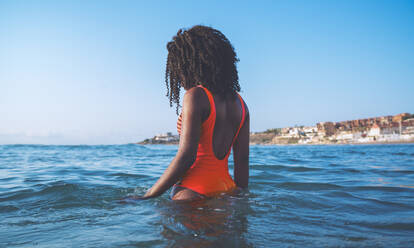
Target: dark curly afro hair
200	56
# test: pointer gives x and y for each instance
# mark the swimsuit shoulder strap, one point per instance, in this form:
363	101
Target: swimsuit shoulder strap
212	113
241	122
211	101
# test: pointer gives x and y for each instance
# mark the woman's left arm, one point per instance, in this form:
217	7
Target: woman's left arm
187	150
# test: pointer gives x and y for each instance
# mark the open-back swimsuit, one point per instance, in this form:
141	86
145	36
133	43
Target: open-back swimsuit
208	175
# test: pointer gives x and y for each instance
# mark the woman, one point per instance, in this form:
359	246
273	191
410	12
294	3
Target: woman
214	117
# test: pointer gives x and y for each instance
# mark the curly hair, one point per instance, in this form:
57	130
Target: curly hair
200	56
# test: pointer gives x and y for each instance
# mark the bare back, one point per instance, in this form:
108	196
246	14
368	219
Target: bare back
228	117
229	113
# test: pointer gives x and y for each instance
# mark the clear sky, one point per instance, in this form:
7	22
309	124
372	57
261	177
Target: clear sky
92	72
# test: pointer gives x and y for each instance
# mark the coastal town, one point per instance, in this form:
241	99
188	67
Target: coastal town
384	129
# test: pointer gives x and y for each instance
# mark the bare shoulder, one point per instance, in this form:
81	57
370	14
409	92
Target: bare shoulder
195	97
247	109
194	93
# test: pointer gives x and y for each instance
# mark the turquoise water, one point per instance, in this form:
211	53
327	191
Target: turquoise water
300	196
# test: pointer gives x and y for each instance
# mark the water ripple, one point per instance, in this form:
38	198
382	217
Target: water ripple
311	196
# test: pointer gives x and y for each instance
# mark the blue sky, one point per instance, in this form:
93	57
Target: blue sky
92	72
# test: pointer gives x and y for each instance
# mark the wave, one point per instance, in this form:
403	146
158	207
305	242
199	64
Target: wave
285	168
356	152
128	175
296	160
395	226
381	188
62	195
324	156
308	186
346	195
60	188
351	170
399	153
8	208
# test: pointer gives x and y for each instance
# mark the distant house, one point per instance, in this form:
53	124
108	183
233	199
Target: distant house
167	137
308	130
285	130
345	136
400	117
391	129
374	131
408	126
326	128
293	132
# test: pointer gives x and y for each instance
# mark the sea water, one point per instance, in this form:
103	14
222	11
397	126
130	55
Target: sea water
299	196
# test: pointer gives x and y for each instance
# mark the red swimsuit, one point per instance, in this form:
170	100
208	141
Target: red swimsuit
209	175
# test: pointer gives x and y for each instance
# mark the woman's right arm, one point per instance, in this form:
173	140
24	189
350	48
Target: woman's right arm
241	154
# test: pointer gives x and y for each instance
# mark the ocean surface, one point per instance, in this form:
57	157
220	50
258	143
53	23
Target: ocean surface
299	196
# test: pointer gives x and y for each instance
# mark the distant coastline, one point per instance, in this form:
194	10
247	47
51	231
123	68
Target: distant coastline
397	129
164	139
